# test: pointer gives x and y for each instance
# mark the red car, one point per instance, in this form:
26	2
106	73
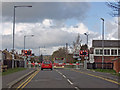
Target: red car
46	65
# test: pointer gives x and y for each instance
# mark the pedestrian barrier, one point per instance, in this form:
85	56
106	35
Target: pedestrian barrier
98	65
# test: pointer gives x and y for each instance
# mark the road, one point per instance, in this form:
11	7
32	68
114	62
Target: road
66	78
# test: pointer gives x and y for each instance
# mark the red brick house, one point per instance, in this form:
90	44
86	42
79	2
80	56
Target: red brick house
110	52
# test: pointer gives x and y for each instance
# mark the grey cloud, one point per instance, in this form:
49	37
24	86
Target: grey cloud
42	10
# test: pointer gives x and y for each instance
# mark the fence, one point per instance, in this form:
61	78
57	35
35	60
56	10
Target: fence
17	63
98	65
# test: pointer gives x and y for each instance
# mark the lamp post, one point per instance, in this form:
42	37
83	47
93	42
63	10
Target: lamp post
85	62
39	54
24	49
87	37
102	42
14	29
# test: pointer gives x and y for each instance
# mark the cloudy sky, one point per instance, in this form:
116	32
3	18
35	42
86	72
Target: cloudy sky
54	24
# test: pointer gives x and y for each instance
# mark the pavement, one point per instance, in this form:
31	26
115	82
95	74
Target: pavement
11	79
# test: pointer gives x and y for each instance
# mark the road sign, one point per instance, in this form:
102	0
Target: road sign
76	55
79	58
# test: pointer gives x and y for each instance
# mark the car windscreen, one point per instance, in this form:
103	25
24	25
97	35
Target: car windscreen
46	62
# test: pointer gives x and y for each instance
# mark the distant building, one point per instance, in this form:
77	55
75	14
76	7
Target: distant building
111	50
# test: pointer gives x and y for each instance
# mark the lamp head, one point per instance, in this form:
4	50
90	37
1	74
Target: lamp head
85	33
102	19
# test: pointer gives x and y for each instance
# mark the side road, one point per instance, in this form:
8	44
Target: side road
101	74
9	80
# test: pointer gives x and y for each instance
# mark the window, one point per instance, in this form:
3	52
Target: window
118	51
113	51
101	51
97	51
106	52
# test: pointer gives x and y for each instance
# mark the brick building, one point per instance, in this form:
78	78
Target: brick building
111	50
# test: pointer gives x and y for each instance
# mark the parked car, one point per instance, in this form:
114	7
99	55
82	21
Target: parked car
46	65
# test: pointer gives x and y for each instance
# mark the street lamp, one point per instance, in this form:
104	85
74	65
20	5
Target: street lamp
24	48
102	42
87	37
14	29
14	22
85	62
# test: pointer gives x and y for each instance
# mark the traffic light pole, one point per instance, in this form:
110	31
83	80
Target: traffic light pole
85	63
25	63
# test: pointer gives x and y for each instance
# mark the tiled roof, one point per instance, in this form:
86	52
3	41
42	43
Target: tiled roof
107	43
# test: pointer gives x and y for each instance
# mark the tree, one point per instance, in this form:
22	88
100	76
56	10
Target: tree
84	47
77	44
115	7
59	53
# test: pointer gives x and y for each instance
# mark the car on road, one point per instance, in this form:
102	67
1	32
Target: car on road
46	65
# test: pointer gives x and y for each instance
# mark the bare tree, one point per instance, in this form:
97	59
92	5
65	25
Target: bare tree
115	6
77	44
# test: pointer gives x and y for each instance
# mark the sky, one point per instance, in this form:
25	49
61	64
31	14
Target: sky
54	24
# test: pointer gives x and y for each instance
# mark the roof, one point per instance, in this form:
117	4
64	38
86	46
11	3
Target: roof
107	43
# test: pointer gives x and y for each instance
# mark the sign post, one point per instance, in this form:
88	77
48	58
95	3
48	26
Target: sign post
85	62
85	54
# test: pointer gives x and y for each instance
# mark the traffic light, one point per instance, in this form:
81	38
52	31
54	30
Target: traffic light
25	52
83	53
29	52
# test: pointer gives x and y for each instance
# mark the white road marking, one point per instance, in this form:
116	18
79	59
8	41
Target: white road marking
69	81
64	76
61	73
77	88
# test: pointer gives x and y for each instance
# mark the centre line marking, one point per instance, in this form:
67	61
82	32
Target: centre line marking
77	88
69	81
64	76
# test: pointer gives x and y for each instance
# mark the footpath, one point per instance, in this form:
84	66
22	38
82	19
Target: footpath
11	79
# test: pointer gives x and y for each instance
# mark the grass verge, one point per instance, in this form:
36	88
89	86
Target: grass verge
105	71
9	71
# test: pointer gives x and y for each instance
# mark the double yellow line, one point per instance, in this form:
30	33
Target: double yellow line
98	77
22	85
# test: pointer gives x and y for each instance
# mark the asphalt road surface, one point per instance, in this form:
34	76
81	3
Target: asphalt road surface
66	78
